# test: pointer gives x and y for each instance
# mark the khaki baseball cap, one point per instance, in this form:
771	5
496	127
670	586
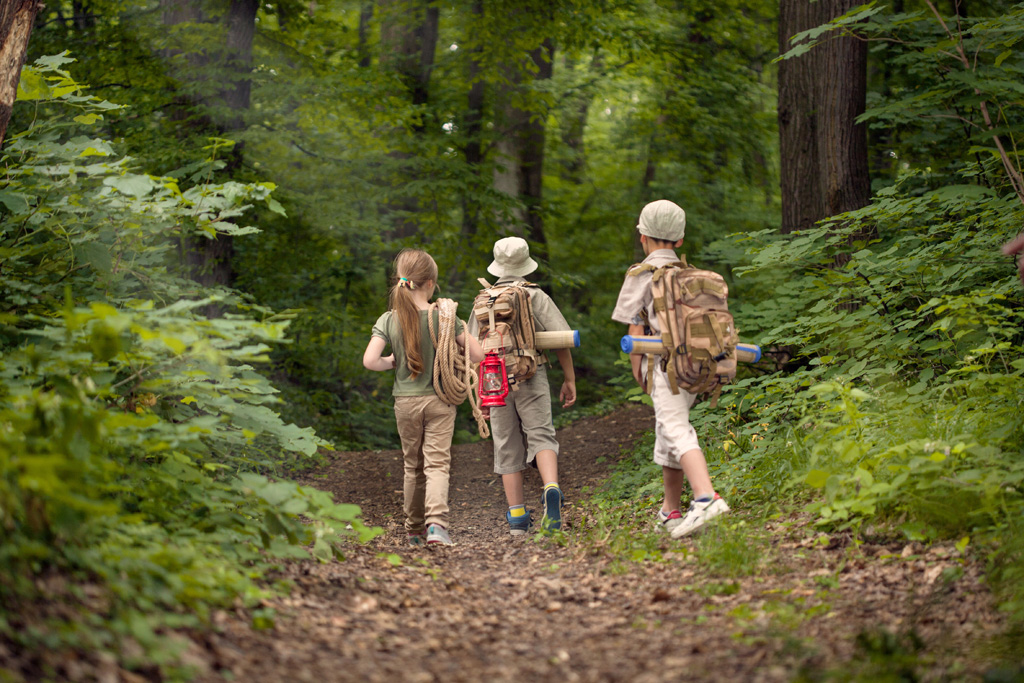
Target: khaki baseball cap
663	220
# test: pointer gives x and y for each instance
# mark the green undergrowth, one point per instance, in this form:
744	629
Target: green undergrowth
618	521
890	403
140	448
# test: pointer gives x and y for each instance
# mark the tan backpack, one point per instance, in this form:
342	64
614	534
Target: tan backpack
696	328
506	326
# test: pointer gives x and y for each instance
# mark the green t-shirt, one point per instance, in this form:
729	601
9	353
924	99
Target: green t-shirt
389	329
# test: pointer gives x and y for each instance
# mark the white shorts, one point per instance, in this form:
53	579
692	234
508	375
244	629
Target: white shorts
673	433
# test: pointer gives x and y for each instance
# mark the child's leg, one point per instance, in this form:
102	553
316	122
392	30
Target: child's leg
673	480
409	418
534	407
547	465
513	484
674	435
510	462
439	425
696	469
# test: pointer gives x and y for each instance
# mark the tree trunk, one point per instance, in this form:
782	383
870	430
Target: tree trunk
520	168
409	32
824	152
843	143
16	19
473	150
531	161
241	28
365	17
800	179
209	260
575	115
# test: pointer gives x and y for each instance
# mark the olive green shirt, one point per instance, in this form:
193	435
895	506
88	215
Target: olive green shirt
389	329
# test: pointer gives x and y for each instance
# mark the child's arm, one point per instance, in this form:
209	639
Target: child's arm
372	360
476	352
568	393
635	359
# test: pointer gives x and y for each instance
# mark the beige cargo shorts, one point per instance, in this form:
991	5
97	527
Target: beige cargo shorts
523	427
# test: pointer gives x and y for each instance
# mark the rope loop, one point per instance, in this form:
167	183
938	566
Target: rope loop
454	376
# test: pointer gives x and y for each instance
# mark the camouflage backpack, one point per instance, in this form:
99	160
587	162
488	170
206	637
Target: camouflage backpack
506	326
696	328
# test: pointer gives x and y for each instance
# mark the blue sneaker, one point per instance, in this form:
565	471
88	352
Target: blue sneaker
552	519
517	526
417	538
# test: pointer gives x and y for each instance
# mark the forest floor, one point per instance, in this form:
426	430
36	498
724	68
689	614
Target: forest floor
494	607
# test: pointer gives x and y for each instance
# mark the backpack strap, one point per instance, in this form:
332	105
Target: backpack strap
638	268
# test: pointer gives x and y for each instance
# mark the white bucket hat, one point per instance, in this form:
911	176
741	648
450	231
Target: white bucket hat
663	220
511	257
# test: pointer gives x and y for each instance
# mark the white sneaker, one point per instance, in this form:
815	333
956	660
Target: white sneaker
668	521
700	514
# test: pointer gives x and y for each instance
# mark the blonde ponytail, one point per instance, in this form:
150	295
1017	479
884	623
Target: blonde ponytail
413	268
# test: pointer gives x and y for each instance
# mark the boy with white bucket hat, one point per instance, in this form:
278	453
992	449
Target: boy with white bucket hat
523	430
662	226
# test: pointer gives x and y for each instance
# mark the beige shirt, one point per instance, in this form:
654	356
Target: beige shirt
636	296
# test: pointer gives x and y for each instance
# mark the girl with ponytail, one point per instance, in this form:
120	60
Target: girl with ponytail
425	422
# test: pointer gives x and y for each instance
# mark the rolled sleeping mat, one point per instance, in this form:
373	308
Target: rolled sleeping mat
748	353
632	344
567	339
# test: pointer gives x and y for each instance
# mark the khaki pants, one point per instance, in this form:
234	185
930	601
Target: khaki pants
425	425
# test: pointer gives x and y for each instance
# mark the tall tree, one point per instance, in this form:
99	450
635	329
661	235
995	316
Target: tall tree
16	19
209	259
408	43
521	147
824	152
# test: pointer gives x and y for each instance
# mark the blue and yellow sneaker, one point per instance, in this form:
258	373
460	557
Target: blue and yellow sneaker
518	524
553	498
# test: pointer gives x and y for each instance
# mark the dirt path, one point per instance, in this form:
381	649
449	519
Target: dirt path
497	608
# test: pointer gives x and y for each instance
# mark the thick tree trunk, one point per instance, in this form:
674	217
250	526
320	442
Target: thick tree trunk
843	143
800	178
16	19
824	152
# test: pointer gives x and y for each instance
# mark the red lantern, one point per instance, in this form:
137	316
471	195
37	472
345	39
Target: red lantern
493	381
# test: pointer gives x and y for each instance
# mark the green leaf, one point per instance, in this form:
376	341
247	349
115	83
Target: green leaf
132	185
817	478
32	85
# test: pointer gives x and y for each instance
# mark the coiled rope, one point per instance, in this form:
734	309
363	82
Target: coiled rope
454	379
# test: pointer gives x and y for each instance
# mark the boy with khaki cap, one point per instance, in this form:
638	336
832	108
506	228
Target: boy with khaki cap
662	226
523	430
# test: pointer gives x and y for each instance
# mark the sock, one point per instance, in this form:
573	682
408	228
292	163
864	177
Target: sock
517	511
552	485
707	498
